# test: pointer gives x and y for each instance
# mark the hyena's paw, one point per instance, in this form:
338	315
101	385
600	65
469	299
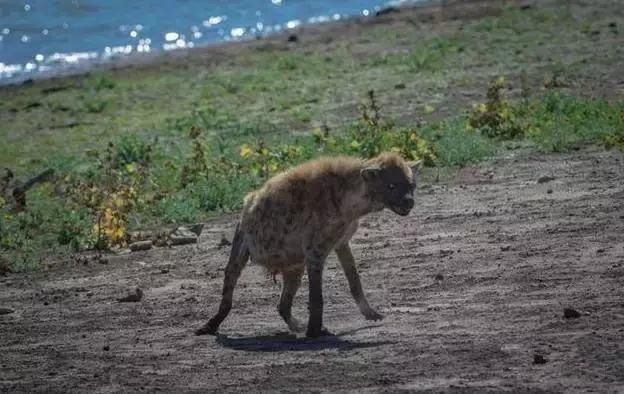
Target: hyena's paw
208	329
323	332
371	314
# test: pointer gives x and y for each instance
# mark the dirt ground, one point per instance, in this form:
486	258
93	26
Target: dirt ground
473	285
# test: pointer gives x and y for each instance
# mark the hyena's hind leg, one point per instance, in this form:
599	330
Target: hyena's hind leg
237	261
291	280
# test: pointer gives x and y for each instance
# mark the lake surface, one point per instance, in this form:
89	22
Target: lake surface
40	36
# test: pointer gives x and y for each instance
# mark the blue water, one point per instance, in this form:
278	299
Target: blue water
39	36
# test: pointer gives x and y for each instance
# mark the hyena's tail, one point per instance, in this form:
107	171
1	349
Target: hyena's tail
238	258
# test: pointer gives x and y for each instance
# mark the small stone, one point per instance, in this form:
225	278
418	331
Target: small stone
539	359
106	348
223	242
196	228
140	245
6	311
182	236
570	313
439	277
135	297
545	179
549	191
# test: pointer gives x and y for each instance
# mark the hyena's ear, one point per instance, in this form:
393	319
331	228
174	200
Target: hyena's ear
416	166
369	173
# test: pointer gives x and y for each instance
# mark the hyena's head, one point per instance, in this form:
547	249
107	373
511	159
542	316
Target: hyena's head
391	182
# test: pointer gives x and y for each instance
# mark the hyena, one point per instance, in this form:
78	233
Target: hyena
298	217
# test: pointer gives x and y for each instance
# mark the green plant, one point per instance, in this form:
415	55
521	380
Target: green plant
109	191
131	150
264	161
373	134
495	118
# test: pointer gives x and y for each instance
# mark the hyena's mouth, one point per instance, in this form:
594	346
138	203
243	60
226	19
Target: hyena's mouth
403	211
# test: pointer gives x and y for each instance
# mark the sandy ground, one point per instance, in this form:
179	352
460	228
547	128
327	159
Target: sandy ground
473	285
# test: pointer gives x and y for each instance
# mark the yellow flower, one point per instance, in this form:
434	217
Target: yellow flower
118	233
428	108
245	150
355	144
480	108
131	168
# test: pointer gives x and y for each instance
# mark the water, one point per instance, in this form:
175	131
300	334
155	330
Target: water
41	36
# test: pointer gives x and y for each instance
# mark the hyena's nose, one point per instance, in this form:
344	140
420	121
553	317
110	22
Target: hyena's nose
408	202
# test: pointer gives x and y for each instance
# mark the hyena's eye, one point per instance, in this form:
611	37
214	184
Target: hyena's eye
391	186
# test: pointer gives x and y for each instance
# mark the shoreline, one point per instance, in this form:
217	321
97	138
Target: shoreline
425	62
424	11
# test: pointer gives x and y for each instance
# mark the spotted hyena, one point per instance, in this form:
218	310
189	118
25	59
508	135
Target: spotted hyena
298	217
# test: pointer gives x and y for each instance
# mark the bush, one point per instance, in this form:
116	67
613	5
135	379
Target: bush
495	117
373	134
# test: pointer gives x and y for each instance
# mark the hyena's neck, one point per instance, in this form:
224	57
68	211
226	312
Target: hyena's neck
358	203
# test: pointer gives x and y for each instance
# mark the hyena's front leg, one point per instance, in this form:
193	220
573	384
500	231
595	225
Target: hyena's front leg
347	262
291	282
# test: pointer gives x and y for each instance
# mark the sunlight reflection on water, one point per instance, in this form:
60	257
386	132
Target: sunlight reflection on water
43	35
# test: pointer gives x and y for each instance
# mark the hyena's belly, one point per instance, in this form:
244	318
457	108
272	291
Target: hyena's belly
277	252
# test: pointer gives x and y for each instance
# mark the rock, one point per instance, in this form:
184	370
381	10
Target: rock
223	242
140	245
545	179
549	191
6	311
136	236
439	277
106	348
196	228
570	313
539	359
182	236
136	297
